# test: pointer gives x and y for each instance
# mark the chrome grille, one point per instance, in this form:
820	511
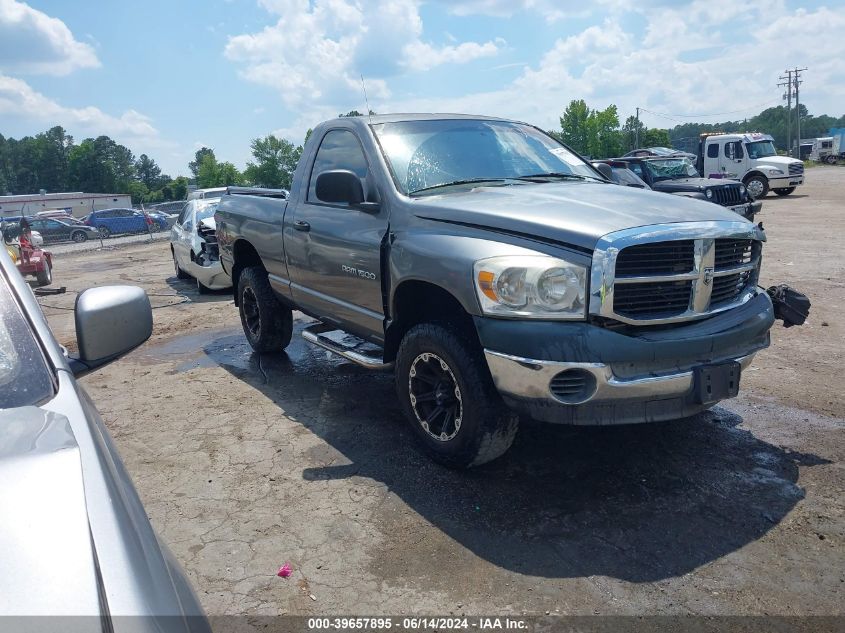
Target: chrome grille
726	289
796	168
665	298
730	253
727	195
674	272
657	258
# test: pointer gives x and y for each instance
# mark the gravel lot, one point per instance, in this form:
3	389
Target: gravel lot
245	462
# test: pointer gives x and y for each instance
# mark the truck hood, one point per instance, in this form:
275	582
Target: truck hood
572	213
781	162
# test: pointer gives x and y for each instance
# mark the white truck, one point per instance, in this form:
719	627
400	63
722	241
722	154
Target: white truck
751	158
827	149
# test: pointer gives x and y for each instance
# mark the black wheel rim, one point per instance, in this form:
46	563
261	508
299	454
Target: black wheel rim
252	318
435	397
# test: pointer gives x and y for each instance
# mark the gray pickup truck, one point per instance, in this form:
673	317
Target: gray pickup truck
497	274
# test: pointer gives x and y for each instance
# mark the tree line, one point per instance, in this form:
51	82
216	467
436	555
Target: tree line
52	160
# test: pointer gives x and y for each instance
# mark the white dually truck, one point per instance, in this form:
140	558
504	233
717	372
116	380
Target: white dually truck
750	157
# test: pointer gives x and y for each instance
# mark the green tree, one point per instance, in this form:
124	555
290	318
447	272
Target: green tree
655	137
200	154
214	174
630	131
228	174
138	190
573	124
275	161
149	173
603	135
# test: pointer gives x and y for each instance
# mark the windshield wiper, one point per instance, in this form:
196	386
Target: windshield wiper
459	182
554	174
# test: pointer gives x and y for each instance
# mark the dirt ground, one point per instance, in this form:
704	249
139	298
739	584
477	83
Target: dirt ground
246	462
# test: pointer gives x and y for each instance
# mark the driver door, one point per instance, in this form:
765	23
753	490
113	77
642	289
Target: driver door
333	250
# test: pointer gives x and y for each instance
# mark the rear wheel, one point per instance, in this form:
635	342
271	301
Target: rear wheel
757	186
449	399
268	325
104	231
784	191
830	160
45	275
78	236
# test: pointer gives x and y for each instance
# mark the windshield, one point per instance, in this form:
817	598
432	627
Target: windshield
206	211
24	376
426	154
760	149
670	169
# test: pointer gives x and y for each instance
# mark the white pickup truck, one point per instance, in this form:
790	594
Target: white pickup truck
751	158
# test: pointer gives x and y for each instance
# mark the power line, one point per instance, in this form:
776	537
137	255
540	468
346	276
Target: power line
701	116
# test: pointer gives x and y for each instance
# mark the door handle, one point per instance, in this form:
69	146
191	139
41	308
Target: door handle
301	225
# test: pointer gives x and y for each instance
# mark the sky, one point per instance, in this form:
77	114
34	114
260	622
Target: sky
168	77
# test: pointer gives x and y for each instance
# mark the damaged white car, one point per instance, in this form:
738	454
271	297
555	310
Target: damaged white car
193	244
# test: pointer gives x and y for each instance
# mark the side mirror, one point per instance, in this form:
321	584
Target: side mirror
110	321
605	170
340	186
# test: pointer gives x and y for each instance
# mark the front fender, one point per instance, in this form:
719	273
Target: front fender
446	260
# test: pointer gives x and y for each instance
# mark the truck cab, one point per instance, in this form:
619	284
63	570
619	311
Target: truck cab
751	158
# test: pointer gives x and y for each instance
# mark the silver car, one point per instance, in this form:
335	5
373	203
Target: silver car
193	244
74	537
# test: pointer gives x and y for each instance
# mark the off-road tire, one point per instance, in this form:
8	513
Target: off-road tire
487	427
764	182
79	236
45	276
784	191
180	274
272	330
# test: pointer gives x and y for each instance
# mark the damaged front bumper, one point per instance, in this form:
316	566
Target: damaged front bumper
579	373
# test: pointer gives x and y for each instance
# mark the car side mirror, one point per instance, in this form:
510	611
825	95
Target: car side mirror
110	321
341	186
605	170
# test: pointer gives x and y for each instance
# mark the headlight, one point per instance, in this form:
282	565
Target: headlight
776	172
529	286
708	193
742	190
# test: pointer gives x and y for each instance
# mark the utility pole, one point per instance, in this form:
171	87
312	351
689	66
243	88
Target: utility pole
637	131
796	79
788	96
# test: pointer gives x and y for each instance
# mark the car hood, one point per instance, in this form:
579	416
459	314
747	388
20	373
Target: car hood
572	213
209	223
692	184
45	535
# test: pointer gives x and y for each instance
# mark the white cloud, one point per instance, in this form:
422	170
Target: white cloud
670	68
33	42
19	100
317	51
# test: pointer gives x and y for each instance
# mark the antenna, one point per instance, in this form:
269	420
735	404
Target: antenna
366	101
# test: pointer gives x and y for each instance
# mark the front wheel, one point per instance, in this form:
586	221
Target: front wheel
45	275
180	274
268	325
79	236
830	160
757	186
784	191
154	227
105	232
449	399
